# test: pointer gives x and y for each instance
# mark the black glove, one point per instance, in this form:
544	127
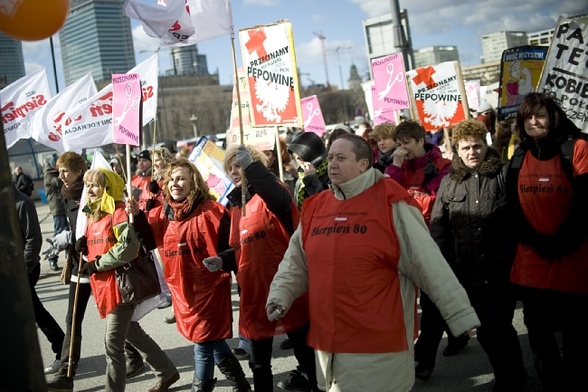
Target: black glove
430	172
82	245
154	187
89	268
150	204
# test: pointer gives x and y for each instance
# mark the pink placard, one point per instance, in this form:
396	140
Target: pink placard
126	101
312	115
390	83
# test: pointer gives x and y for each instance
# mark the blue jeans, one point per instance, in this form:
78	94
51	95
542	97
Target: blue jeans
206	355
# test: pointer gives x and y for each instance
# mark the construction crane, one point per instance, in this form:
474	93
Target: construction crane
322	38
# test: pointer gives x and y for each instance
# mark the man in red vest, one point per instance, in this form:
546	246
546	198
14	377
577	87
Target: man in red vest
360	251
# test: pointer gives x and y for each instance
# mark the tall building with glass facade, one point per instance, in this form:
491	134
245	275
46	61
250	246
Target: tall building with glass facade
494	44
11	60
96	38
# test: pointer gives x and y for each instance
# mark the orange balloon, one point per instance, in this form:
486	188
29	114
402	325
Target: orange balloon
32	20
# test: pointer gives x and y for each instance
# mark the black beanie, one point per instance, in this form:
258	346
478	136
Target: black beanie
145	154
309	147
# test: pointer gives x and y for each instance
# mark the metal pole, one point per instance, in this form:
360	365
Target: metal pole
340	72
54	67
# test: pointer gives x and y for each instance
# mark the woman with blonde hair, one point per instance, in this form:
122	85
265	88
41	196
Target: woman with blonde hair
190	226
110	241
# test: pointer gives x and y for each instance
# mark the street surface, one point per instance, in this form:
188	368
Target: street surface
468	371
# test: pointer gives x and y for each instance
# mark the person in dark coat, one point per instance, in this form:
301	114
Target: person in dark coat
467	223
32	239
56	205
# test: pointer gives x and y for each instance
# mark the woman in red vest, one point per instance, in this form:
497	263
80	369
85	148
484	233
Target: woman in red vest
259	239
109	243
548	199
189	227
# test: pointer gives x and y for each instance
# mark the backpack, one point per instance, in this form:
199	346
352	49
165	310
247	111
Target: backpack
566	155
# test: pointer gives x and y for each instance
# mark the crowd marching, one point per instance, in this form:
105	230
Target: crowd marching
363	228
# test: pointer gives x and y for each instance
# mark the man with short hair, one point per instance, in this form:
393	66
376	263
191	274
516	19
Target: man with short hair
142	178
360	251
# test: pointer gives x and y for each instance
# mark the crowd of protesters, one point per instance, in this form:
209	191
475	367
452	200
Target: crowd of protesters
464	235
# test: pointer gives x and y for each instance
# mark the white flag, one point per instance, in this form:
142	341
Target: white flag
18	103
48	122
90	123
183	22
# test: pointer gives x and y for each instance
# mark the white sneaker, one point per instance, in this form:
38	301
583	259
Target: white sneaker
54	367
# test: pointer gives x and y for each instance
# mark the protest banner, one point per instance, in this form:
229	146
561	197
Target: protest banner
472	89
272	77
126	102
390	83
262	138
564	75
91	122
520	70
48	122
208	158
18	103
436	93
312	115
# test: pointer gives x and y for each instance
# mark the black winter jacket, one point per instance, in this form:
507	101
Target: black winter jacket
467	221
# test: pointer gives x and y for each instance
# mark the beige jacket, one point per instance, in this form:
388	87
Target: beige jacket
420	264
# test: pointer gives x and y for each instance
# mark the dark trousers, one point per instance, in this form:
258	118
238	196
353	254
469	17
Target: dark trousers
495	307
432	326
545	313
261	355
45	321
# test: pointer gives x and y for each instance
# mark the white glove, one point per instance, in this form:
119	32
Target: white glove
51	253
61	241
213	263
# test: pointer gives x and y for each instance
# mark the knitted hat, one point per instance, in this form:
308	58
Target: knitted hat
309	147
145	154
469	128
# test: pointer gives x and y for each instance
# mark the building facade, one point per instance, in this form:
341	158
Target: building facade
187	61
11	61
494	44
432	55
97	38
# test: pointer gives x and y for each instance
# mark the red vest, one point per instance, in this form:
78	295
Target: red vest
143	184
101	238
202	299
352	253
260	241
546	197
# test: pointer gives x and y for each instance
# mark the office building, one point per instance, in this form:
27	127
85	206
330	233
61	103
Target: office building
432	55
544	37
187	61
97	38
494	44
11	61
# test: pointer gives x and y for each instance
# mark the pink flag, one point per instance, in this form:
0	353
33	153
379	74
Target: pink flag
178	23
312	115
126	102
390	83
18	103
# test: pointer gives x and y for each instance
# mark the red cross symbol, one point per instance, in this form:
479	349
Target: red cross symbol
255	43
424	75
